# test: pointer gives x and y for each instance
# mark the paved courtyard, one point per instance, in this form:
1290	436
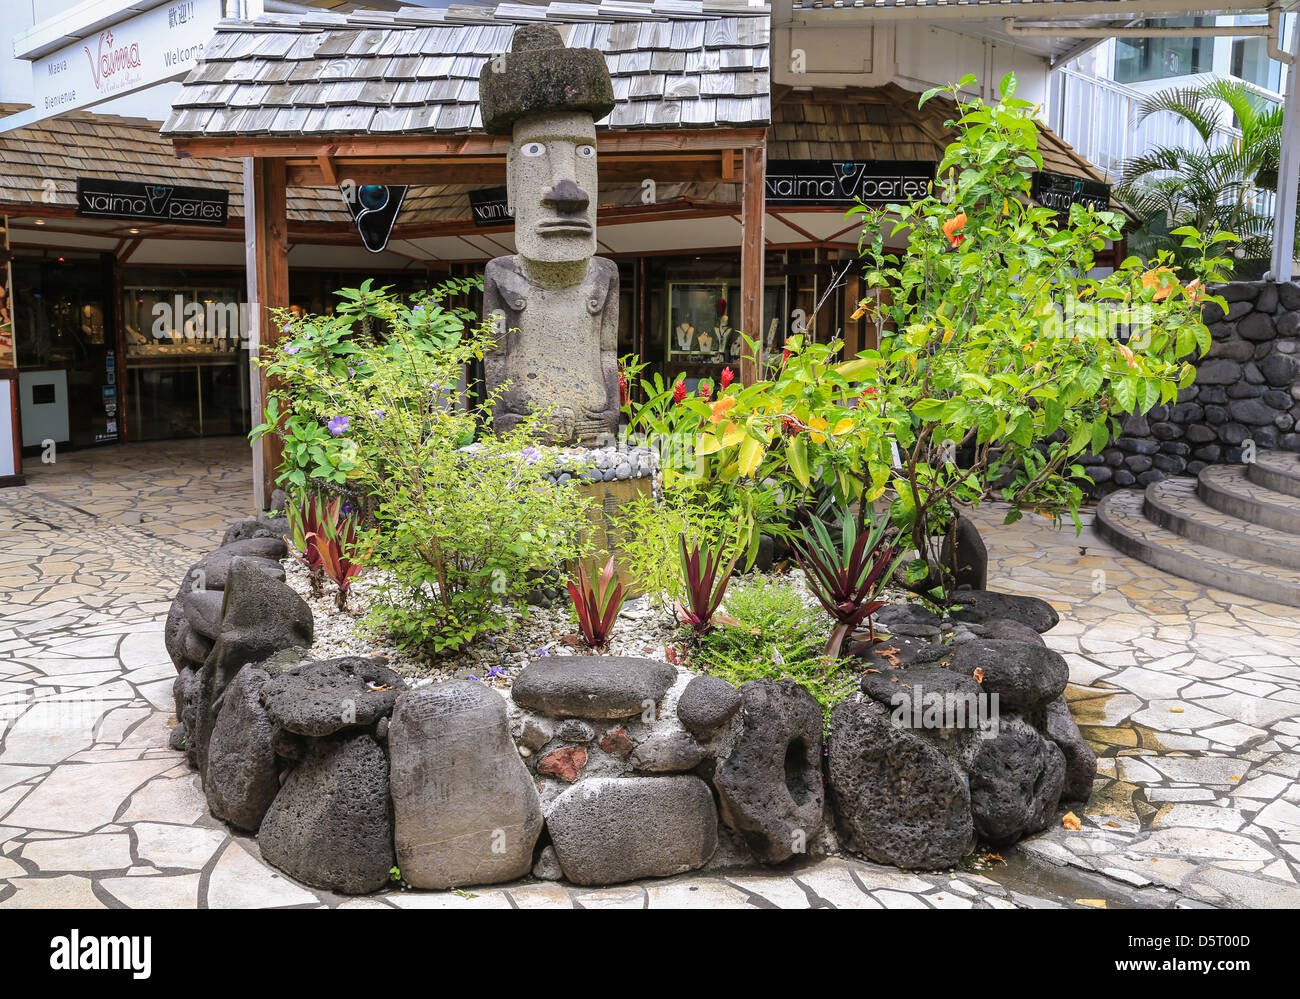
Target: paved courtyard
1191	697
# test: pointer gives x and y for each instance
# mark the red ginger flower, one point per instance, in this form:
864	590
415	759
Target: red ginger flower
705	392
728	376
679	392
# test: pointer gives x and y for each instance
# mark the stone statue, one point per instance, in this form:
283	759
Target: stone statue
553	304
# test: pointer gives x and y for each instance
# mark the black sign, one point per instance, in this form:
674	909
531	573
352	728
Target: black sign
1059	192
374	208
838	183
489	207
143	202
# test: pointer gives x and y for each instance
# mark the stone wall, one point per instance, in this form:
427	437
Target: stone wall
1247	388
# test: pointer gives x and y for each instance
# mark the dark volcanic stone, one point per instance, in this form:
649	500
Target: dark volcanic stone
891	652
242	776
1009	629
896	798
931	697
260	616
1199	434
592	686
1023	675
1016	779
202	609
707	704
1278	369
1251	411
325	696
770	787
1080	760
985	605
1289	296
1219	371
1257	327
970	565
465	809
1123	477
613	829
905	613
329	826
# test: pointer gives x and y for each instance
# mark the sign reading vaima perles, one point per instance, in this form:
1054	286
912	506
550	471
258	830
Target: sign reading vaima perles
489	207
142	202
1059	191
846	182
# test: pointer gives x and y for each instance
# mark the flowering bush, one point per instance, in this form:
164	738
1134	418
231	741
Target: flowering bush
1005	355
460	517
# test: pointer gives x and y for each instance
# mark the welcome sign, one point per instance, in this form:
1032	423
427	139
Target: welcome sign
843	183
143	202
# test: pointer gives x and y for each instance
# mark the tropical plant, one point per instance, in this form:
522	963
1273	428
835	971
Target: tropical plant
337	550
845	574
596	603
305	526
1213	187
705	576
1004	356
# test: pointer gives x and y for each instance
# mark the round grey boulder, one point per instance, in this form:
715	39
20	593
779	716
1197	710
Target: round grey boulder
242	776
707	704
612	829
592	686
1080	760
1016	778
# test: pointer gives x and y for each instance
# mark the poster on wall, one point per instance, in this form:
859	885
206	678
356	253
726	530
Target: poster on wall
7	359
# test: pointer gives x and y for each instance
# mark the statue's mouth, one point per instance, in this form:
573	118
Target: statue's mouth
564	227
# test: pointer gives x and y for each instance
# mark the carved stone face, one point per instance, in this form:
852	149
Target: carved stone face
551	187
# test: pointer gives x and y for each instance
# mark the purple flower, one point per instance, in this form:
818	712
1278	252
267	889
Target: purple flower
285	328
496	671
378	414
472	678
293	348
531	455
338	425
348	508
543	652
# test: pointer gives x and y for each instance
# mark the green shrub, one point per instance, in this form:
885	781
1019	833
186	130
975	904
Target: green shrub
778	637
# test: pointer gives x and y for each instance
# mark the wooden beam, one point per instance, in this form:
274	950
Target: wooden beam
389	146
753	248
328	171
266	242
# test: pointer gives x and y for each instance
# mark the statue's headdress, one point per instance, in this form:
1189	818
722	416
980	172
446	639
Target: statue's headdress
538	75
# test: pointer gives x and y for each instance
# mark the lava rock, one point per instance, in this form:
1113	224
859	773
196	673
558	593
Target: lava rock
260	617
985	605
566	763
329	826
202	609
707	704
617	742
325	696
905	612
770	786
466	810
1016	778
1023	675
242	776
1080	760
896	798
592	686
547	867
970	564
613	829
667	750
1009	629
184	690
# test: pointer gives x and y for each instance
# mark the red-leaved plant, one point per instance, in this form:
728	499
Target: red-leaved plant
845	576
705	579
597	603
322	538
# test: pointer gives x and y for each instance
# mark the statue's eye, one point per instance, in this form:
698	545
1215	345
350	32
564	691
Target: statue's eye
587	152
532	149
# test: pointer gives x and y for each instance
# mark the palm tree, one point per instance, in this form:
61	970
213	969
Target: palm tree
1212	188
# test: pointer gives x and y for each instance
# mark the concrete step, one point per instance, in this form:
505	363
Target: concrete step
1174	505
1228	490
1276	470
1120	521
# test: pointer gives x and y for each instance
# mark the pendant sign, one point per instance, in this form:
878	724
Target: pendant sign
836	183
489	207
374	208
143	202
1059	191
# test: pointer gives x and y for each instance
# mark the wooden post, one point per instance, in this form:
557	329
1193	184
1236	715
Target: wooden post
753	246
266	247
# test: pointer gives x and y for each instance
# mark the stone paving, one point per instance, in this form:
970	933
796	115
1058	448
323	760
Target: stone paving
1191	696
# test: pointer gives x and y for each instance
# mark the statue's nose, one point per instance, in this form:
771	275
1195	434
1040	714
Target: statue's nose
567	197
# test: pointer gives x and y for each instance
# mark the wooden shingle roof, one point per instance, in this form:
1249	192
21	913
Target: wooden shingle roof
673	63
